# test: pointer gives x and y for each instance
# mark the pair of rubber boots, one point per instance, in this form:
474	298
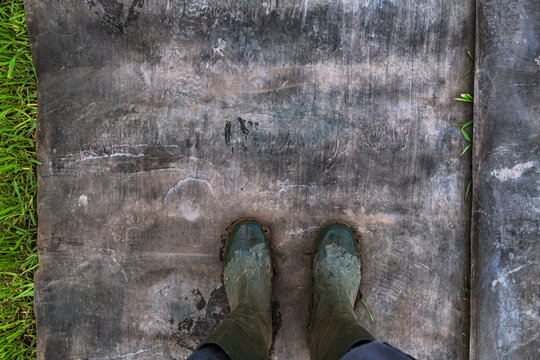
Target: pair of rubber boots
246	333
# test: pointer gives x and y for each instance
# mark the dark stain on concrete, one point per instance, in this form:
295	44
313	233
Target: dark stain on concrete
216	310
243	127
201	303
115	19
186	325
191	332
276	323
227	133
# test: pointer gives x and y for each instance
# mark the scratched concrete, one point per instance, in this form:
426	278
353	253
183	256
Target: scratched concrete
336	110
506	198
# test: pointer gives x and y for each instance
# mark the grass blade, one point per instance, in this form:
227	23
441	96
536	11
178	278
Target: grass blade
465	98
465	150
369	312
11	66
465	134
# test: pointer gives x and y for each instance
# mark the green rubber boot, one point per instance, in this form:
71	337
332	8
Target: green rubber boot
246	333
334	327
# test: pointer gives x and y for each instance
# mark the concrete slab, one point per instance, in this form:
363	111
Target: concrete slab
161	122
506	216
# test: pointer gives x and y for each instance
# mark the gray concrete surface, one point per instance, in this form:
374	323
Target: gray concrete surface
337	110
506	206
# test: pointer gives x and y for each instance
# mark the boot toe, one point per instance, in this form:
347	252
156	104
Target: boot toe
245	235
339	234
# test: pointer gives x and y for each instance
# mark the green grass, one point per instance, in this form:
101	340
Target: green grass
18	223
465	135
365	305
471	69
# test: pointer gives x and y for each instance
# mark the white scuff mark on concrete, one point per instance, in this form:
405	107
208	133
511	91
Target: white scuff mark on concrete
189	212
145	145
86	155
513	173
292	233
220	46
112	254
205	161
284	188
119	154
182	182
148	171
123	356
501	278
302	230
419	265
304	12
83	200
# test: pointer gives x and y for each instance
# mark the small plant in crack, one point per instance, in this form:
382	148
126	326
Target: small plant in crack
466	336
471	69
465	288
468	139
467	293
365	305
462	127
468	189
469	99
465	98
465	135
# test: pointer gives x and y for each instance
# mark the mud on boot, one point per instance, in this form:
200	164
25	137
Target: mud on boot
246	333
334	327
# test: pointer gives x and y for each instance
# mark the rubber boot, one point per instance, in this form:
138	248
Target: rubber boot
334	327
246	333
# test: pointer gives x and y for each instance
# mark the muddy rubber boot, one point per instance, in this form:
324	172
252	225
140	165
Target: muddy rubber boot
334	327
246	333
